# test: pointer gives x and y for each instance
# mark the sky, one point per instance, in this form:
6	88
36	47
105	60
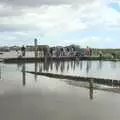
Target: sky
93	23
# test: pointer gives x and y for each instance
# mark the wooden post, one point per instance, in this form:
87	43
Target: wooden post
36	52
36	65
0	72
23	74
91	88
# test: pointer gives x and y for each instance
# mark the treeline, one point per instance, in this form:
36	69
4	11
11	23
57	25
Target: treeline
107	52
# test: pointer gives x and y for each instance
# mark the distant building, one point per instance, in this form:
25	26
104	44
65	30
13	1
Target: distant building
40	47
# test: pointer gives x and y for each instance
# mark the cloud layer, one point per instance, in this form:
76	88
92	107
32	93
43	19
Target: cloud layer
42	2
56	17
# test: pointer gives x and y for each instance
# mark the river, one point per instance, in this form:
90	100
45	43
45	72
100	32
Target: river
26	96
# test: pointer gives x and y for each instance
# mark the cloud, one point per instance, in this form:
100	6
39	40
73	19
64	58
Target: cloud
67	17
9	11
55	17
42	2
50	19
92	41
96	41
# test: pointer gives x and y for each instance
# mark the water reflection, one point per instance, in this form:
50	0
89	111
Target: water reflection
19	66
80	68
24	74
88	66
91	89
40	67
62	66
113	65
100	65
71	64
51	65
2	67
81	65
0	72
88	85
36	64
76	68
57	64
68	66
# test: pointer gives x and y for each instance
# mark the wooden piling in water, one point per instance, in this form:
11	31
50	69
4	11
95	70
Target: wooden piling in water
36	49
119	83
115	82
109	82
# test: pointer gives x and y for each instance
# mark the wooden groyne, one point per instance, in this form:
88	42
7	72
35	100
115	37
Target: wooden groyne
102	81
42	59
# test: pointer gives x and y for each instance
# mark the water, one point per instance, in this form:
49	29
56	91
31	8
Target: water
98	69
26	96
